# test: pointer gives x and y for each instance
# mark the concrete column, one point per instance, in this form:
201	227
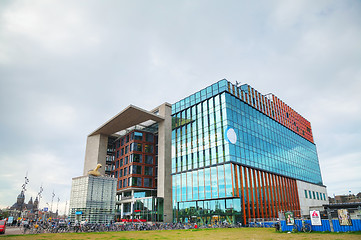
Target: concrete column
96	152
165	160
131	209
121	210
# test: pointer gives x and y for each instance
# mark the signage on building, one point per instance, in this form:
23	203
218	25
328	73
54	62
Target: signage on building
344	217
315	218
45	209
290	219
78	213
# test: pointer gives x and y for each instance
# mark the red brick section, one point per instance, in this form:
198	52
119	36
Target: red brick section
142	164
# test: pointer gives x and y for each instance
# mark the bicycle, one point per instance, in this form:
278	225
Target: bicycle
305	227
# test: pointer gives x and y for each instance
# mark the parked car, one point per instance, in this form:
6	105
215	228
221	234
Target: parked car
2	226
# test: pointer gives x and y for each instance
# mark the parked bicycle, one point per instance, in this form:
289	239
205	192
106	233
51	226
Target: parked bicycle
305	227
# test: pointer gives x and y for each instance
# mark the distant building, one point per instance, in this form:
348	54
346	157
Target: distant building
92	199
347	198
224	153
26	209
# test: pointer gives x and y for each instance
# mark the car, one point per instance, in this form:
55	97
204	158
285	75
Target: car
2	226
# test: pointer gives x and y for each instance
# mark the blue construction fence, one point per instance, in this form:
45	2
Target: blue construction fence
356	226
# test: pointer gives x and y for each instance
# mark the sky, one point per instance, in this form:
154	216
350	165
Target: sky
68	66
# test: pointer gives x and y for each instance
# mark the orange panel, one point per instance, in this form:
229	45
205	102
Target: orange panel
259	194
255	189
251	188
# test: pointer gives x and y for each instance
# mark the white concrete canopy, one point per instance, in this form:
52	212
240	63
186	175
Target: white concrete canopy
129	117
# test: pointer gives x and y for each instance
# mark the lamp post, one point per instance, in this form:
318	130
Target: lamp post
52	199
23	192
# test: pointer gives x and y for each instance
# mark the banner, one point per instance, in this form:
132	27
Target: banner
344	217
315	218
290	219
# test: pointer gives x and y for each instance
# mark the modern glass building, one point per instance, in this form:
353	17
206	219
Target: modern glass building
225	153
237	155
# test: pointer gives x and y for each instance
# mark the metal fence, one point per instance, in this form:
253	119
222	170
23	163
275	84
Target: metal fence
327	225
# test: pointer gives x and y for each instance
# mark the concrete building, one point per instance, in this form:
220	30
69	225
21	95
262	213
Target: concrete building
135	148
226	152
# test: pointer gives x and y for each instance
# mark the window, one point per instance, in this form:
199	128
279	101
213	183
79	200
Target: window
148	148
149	137
125	171
148	182
124	183
314	195
138	136
136	147
137	169
121	162
127	139
121	173
137	158
318	198
305	193
126	150
136	181
148	159
120	184
125	160
116	174
122	152
148	171
117	153
309	194
116	164
122	142
324	196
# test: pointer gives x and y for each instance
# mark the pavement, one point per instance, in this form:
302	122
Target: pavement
12	231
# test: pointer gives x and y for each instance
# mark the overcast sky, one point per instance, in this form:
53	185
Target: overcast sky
66	67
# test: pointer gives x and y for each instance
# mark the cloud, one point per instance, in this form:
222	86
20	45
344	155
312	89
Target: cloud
66	67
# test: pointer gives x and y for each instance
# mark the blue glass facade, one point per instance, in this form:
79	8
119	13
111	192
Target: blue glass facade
214	130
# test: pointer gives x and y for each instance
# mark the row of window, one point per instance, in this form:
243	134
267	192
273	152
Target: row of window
213	182
148	148
134	169
200	96
138	158
139	136
135	182
314	195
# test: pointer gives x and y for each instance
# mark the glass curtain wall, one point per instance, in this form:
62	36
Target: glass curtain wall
213	131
